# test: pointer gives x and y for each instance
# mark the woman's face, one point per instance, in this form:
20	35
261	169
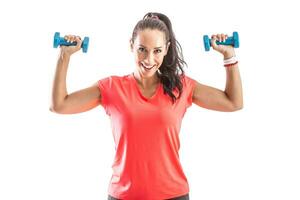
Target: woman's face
149	49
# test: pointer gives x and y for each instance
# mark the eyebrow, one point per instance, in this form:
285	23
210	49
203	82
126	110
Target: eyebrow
146	47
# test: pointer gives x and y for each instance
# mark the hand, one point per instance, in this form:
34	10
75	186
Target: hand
226	50
69	50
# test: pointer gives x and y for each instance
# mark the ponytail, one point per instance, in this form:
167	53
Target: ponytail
171	70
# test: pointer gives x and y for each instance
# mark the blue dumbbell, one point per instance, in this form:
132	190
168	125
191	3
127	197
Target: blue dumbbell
61	41
234	41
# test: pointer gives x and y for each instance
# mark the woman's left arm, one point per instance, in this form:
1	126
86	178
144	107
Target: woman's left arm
212	98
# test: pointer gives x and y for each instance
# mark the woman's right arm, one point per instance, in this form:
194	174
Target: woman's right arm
76	102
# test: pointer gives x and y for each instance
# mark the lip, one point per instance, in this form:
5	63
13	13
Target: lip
147	68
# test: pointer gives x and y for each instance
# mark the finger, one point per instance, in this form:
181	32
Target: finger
72	38
213	41
79	42
67	38
213	38
77	38
219	36
222	37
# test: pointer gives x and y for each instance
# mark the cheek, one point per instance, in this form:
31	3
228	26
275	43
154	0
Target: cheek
138	57
160	59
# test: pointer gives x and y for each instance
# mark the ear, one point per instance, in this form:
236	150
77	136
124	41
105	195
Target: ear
167	48
131	44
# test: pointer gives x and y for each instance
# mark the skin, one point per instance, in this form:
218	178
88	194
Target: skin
149	49
76	102
231	99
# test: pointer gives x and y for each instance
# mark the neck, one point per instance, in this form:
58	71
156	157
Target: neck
146	82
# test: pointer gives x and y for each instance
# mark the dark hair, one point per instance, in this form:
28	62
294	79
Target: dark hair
171	70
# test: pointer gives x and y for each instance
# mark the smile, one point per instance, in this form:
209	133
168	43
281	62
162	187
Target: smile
147	68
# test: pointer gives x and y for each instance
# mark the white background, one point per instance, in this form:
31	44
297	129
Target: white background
250	154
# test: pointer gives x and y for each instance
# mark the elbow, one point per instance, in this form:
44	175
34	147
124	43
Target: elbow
56	109
237	107
57	106
235	103
53	109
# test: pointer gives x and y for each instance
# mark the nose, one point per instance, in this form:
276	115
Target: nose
149	60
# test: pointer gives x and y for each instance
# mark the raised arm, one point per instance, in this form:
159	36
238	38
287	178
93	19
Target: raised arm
215	99
76	102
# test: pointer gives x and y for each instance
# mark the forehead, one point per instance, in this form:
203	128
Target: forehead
150	38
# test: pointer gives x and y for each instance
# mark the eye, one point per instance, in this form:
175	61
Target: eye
141	49
157	51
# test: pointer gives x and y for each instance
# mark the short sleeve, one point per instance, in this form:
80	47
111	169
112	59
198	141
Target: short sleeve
189	85
104	86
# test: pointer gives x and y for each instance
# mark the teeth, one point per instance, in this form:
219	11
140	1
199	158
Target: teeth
147	67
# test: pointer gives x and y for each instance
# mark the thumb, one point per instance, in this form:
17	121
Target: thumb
213	42
79	42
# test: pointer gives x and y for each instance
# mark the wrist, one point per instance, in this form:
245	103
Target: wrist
230	61
64	55
228	54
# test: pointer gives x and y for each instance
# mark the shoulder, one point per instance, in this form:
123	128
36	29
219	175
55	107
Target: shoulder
187	81
120	80
114	80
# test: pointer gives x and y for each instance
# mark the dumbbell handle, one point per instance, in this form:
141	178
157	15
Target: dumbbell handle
64	42
228	41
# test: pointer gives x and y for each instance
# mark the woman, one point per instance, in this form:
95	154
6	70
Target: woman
146	108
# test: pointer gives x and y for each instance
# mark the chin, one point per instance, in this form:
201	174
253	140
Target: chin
147	75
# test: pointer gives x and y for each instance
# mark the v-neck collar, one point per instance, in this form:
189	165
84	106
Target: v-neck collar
140	93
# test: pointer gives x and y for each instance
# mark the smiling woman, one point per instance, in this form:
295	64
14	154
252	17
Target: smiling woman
146	109
158	53
147	54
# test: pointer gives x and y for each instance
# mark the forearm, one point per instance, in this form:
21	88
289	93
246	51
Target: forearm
233	88
59	90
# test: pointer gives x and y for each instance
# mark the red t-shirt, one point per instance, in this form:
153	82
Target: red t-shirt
146	136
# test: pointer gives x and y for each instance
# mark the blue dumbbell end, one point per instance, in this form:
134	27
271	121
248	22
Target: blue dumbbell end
206	42
56	40
85	44
236	41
